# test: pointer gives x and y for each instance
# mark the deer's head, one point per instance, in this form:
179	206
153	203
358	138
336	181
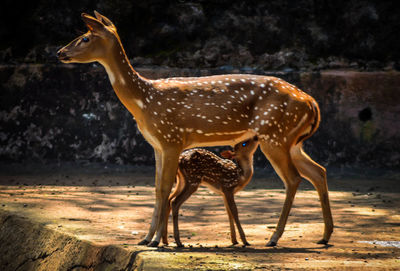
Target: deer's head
94	44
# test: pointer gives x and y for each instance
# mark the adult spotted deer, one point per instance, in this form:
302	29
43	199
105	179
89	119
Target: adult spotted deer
199	166
179	113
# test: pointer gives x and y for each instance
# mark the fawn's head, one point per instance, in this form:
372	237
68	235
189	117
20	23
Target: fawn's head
244	149
94	44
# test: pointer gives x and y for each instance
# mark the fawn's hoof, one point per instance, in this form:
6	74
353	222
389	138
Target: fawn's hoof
143	242
179	245
322	242
246	244
153	244
271	244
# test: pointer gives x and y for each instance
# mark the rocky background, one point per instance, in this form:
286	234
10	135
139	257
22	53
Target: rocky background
268	35
344	53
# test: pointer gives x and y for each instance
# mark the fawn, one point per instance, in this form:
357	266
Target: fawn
175	114
199	166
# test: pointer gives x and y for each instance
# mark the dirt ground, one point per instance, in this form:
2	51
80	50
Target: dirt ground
110	207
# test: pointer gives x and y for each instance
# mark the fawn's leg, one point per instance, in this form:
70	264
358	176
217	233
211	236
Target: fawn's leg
185	193
233	213
281	161
231	223
178	189
316	174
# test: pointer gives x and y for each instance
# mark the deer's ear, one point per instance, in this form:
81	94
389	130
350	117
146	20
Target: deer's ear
104	20
92	23
228	154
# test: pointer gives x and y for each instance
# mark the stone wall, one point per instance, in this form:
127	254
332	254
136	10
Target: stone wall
274	34
59	113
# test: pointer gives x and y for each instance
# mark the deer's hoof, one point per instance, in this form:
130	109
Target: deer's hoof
179	245
153	244
322	242
143	242
271	244
245	244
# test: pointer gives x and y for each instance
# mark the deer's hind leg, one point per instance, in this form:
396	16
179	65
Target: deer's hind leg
316	174
282	163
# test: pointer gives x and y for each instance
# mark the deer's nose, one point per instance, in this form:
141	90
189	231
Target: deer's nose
59	53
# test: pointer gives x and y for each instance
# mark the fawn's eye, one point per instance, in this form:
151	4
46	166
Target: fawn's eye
85	39
244	144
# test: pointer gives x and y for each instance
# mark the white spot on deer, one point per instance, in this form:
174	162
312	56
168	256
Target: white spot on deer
139	103
199	131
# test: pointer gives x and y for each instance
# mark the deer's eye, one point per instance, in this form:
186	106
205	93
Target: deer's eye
85	39
244	144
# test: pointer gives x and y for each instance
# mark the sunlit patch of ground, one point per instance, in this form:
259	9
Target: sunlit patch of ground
117	208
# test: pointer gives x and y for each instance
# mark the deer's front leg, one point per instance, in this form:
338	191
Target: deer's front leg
164	183
153	225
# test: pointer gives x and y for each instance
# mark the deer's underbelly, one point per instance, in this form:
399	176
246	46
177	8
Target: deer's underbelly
218	139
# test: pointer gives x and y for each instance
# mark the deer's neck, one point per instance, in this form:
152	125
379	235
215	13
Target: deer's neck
129	86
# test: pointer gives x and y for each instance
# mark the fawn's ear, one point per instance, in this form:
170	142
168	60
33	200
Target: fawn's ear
228	154
104	20
92	23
